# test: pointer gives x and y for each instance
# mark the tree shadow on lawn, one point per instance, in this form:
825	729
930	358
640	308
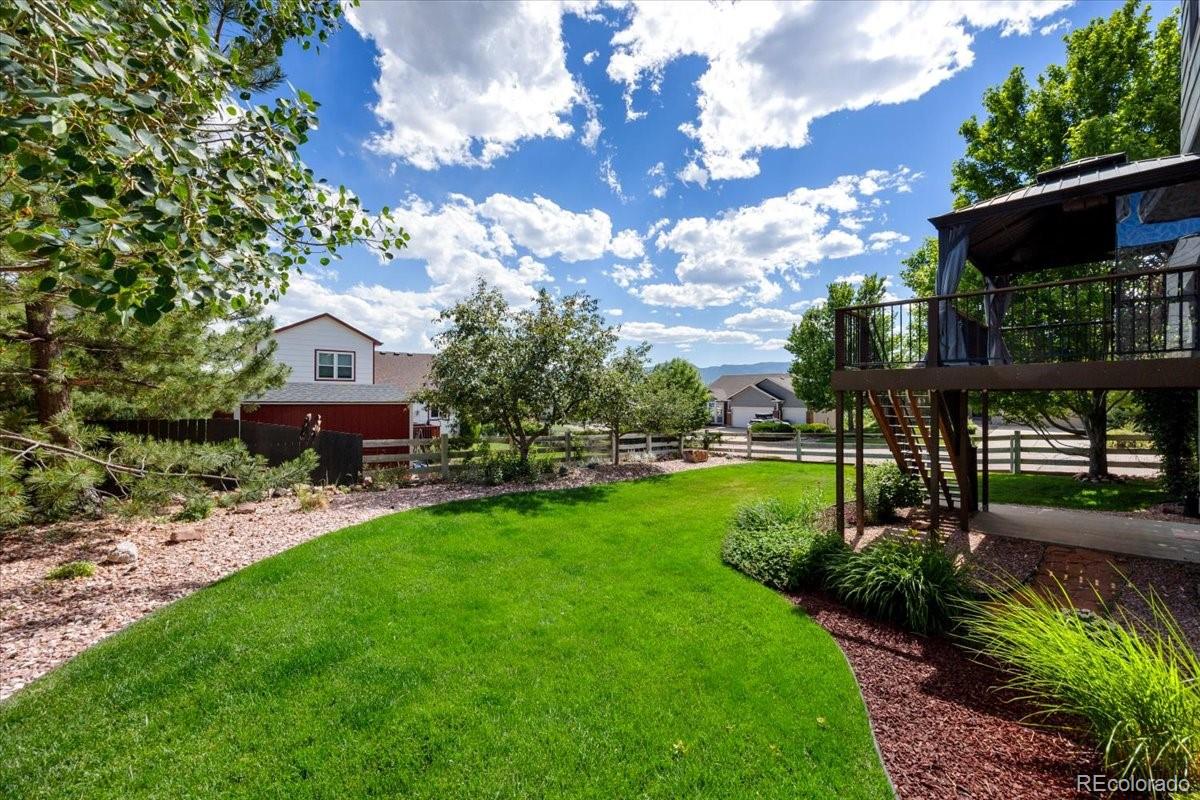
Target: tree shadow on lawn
535	500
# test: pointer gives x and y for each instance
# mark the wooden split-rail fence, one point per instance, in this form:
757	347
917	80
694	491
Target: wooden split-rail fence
436	456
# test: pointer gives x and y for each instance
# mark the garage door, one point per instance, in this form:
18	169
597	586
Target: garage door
744	415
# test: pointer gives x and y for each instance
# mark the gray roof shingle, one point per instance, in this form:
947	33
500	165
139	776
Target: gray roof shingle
339	393
778	386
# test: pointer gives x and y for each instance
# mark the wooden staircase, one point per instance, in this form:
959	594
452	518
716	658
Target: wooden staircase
906	421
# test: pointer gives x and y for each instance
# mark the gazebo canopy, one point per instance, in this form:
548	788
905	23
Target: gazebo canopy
1067	217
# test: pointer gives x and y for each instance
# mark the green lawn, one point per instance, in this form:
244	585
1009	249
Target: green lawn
574	644
1063	491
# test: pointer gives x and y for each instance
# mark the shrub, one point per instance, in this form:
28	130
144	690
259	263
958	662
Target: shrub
813	427
255	485
310	499
771	426
384	477
904	581
761	515
71	570
1136	685
14	506
196	508
492	467
778	543
64	487
886	488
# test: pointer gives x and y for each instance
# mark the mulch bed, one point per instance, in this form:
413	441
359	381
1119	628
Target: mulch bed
943	729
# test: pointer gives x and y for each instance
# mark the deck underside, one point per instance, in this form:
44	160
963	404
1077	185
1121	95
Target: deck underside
1160	373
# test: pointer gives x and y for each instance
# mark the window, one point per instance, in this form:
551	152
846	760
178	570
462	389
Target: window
335	366
435	412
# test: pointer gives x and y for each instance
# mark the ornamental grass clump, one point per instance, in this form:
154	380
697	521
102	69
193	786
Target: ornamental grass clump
72	570
779	543
1134	682
905	581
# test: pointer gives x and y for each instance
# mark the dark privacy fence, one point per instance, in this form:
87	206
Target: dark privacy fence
340	453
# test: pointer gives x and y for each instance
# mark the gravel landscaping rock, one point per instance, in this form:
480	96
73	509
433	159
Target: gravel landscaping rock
123	553
44	623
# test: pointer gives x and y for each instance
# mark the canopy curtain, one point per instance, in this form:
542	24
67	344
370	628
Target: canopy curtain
952	261
997	306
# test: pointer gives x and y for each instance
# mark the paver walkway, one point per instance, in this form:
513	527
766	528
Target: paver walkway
1176	541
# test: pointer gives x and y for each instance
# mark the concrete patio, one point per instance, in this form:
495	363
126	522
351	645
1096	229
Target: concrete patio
1176	541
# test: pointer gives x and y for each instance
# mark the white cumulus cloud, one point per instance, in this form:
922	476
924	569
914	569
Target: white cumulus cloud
741	254
547	229
773	68
627	244
464	83
764	319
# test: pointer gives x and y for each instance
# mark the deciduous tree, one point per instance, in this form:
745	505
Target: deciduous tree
521	370
620	393
811	341
674	398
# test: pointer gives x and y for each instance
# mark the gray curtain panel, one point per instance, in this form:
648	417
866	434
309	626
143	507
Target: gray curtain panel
952	261
997	307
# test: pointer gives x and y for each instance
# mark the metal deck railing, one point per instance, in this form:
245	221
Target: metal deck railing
1114	317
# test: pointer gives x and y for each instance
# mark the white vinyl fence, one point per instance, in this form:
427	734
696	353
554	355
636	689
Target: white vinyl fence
1011	451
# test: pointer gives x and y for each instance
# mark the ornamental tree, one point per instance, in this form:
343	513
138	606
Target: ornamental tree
674	398
139	175
521	370
620	392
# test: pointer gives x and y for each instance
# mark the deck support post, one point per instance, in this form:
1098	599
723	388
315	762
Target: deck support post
839	470
983	441
966	494
859	504
935	465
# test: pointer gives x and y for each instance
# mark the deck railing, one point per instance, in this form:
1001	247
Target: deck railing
1113	317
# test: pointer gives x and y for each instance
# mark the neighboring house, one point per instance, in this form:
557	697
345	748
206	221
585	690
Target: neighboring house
738	400
334	373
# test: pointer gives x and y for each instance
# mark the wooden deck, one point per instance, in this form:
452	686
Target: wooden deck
1175	541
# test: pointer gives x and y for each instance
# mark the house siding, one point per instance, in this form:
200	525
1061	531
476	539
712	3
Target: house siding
297	349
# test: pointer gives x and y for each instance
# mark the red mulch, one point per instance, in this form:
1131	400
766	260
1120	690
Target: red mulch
944	730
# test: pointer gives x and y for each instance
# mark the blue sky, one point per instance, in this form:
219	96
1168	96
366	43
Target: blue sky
704	170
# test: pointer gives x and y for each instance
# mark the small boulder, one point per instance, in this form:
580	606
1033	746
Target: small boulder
124	553
186	535
245	508
695	455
